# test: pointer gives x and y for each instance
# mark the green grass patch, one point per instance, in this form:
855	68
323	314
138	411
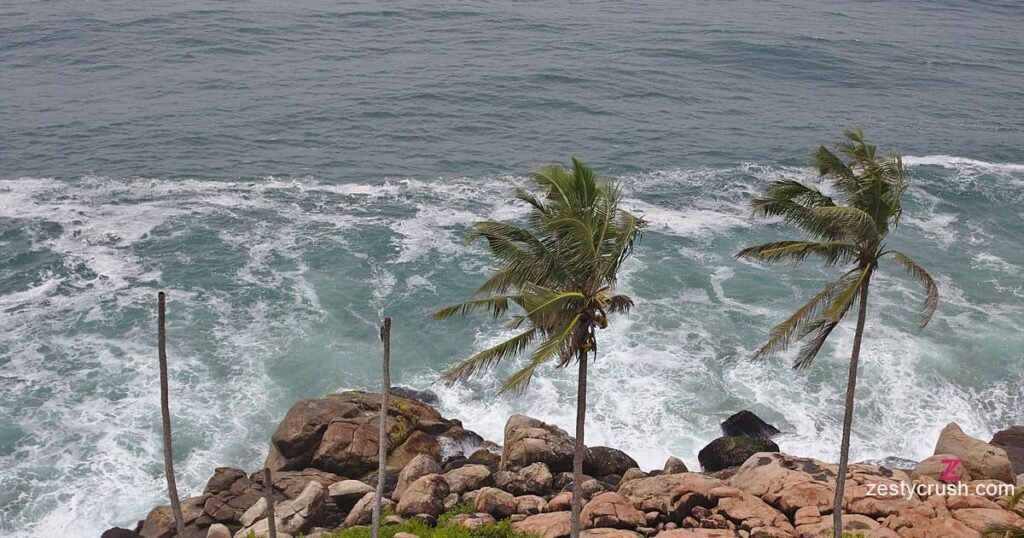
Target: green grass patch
501	529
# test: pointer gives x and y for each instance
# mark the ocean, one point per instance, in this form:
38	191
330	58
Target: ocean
290	172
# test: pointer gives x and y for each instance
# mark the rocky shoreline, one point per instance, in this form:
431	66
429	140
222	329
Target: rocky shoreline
324	458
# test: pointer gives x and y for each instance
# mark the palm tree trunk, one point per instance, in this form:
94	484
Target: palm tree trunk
580	449
165	412
382	452
268	496
851	388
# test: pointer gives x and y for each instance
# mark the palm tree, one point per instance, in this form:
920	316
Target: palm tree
558	272
849	229
165	413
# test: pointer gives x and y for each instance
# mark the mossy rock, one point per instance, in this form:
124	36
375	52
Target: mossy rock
726	452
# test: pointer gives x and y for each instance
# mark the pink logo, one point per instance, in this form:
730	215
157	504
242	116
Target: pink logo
951	473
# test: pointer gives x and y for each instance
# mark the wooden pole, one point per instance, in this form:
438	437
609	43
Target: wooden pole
268	495
165	411
382	452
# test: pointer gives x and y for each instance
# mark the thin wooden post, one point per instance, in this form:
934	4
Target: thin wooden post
382	452
165	411
268	495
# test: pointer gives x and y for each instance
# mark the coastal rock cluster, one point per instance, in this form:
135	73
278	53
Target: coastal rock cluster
324	459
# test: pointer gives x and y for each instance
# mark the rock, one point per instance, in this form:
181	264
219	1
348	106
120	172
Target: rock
697	533
982	461
218	530
530	504
468	478
424	496
303	512
299	434
786	482
405	535
348	491
608	533
893	462
674	465
550	525
484	456
603	461
495	502
159	523
118	532
420	466
611	510
290	484
981	518
747	424
472	522
632	474
255	512
590	488
934	468
732	451
750	512
362	512
528	440
669	494
854	523
1012	441
450	501
560	502
534	479
350	446
417	443
425	396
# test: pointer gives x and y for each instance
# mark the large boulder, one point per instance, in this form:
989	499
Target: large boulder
294	516
348	491
534	479
495	502
747	424
468	478
550	525
611	510
425	496
528	440
726	452
604	461
936	467
118	532
1012	441
673	465
786	482
420	466
340	434
982	460
159	523
425	396
362	512
673	494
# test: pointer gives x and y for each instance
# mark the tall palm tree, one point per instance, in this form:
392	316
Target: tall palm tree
557	272
849	229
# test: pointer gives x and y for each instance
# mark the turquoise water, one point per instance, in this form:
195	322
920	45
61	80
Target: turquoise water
289	174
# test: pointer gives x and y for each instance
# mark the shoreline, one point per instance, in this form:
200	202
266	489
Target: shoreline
323	457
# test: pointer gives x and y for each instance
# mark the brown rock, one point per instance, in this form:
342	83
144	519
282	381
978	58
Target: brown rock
611	510
663	493
696	533
218	530
633	474
424	496
787	483
418	443
854	523
420	466
560	502
298	435
496	502
528	440
348	491
934	468
484	456
981	459
468	478
604	461
674	465
981	518
1012	441
608	533
750	512
530	504
550	525
362	512
159	523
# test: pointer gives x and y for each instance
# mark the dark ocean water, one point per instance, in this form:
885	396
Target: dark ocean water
290	171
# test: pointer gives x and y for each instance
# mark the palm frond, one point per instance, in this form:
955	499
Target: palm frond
823	328
931	291
832	252
795	325
556	344
1003	531
491	356
620	304
496	305
840	222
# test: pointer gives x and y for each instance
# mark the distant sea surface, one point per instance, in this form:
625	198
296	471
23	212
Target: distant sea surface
289	172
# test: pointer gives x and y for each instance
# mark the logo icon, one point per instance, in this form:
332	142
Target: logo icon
952	471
